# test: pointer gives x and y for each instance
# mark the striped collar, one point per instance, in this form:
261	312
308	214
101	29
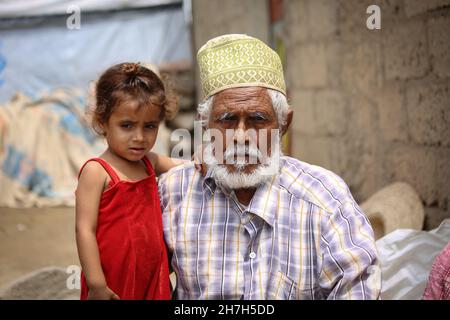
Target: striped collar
264	203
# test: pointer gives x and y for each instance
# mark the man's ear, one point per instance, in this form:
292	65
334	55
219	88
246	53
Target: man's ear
285	127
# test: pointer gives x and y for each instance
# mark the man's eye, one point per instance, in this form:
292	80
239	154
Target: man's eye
258	118
227	118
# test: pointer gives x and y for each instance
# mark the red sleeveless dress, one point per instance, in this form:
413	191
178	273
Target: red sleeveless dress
130	238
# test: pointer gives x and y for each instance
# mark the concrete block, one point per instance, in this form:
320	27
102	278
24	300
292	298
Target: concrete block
352	20
415	7
362	67
443	177
392	113
334	52
361	115
314	150
297	21
434	217
323	18
416	166
307	66
361	147
303	120
429	113
405	51
439	45
419	7
330	113
391	10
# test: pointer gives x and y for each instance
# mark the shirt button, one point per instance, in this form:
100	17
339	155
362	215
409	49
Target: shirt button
252	255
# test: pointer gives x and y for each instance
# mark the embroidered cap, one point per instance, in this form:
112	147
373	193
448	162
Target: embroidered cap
238	60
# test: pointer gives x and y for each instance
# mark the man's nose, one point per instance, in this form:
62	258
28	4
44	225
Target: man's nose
240	133
240	136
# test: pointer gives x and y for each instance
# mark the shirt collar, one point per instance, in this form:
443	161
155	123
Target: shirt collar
208	183
264	203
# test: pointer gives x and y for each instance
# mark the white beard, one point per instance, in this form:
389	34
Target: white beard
263	173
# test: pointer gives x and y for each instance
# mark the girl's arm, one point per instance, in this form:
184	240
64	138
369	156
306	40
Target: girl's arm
162	163
88	193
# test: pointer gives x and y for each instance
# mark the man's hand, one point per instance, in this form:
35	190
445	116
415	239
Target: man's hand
103	293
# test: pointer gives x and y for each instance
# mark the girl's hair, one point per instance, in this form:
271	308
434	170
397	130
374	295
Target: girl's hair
130	81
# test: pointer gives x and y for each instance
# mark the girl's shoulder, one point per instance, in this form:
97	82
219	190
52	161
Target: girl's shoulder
92	171
91	180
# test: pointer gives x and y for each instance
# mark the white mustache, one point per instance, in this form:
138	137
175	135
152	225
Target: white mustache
241	151
263	173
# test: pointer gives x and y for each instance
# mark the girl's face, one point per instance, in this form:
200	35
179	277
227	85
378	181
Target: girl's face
131	130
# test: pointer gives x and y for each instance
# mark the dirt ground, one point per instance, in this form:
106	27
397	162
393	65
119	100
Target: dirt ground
35	238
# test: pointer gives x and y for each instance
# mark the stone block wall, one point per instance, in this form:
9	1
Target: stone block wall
213	18
373	105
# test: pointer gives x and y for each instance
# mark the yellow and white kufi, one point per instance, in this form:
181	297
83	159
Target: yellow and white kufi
238	60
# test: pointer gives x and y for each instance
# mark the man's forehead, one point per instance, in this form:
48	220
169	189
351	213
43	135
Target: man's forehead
250	97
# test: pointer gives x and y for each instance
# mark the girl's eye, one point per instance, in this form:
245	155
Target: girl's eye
125	125
150	126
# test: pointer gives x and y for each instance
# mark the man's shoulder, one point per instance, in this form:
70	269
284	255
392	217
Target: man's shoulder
313	183
177	173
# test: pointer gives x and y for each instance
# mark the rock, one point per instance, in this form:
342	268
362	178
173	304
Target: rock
43	284
396	206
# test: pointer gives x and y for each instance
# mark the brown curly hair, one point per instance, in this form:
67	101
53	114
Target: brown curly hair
129	80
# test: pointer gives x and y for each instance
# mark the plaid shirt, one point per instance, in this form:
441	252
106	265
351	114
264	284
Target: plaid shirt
438	286
302	236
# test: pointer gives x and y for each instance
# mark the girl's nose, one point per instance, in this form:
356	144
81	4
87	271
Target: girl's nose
138	135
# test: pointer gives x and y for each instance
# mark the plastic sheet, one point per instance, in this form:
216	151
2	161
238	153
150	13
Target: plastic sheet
406	259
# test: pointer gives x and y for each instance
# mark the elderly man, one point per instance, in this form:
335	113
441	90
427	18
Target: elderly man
274	228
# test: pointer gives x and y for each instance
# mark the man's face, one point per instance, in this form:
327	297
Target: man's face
239	112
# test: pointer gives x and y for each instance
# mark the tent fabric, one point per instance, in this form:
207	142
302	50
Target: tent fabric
43	143
40	54
22	8
406	258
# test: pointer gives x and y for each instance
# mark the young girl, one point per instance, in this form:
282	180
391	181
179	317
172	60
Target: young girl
118	217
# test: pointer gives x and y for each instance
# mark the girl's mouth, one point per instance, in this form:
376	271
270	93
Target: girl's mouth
137	150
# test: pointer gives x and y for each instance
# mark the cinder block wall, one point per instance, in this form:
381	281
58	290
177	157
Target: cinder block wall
213	18
373	105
